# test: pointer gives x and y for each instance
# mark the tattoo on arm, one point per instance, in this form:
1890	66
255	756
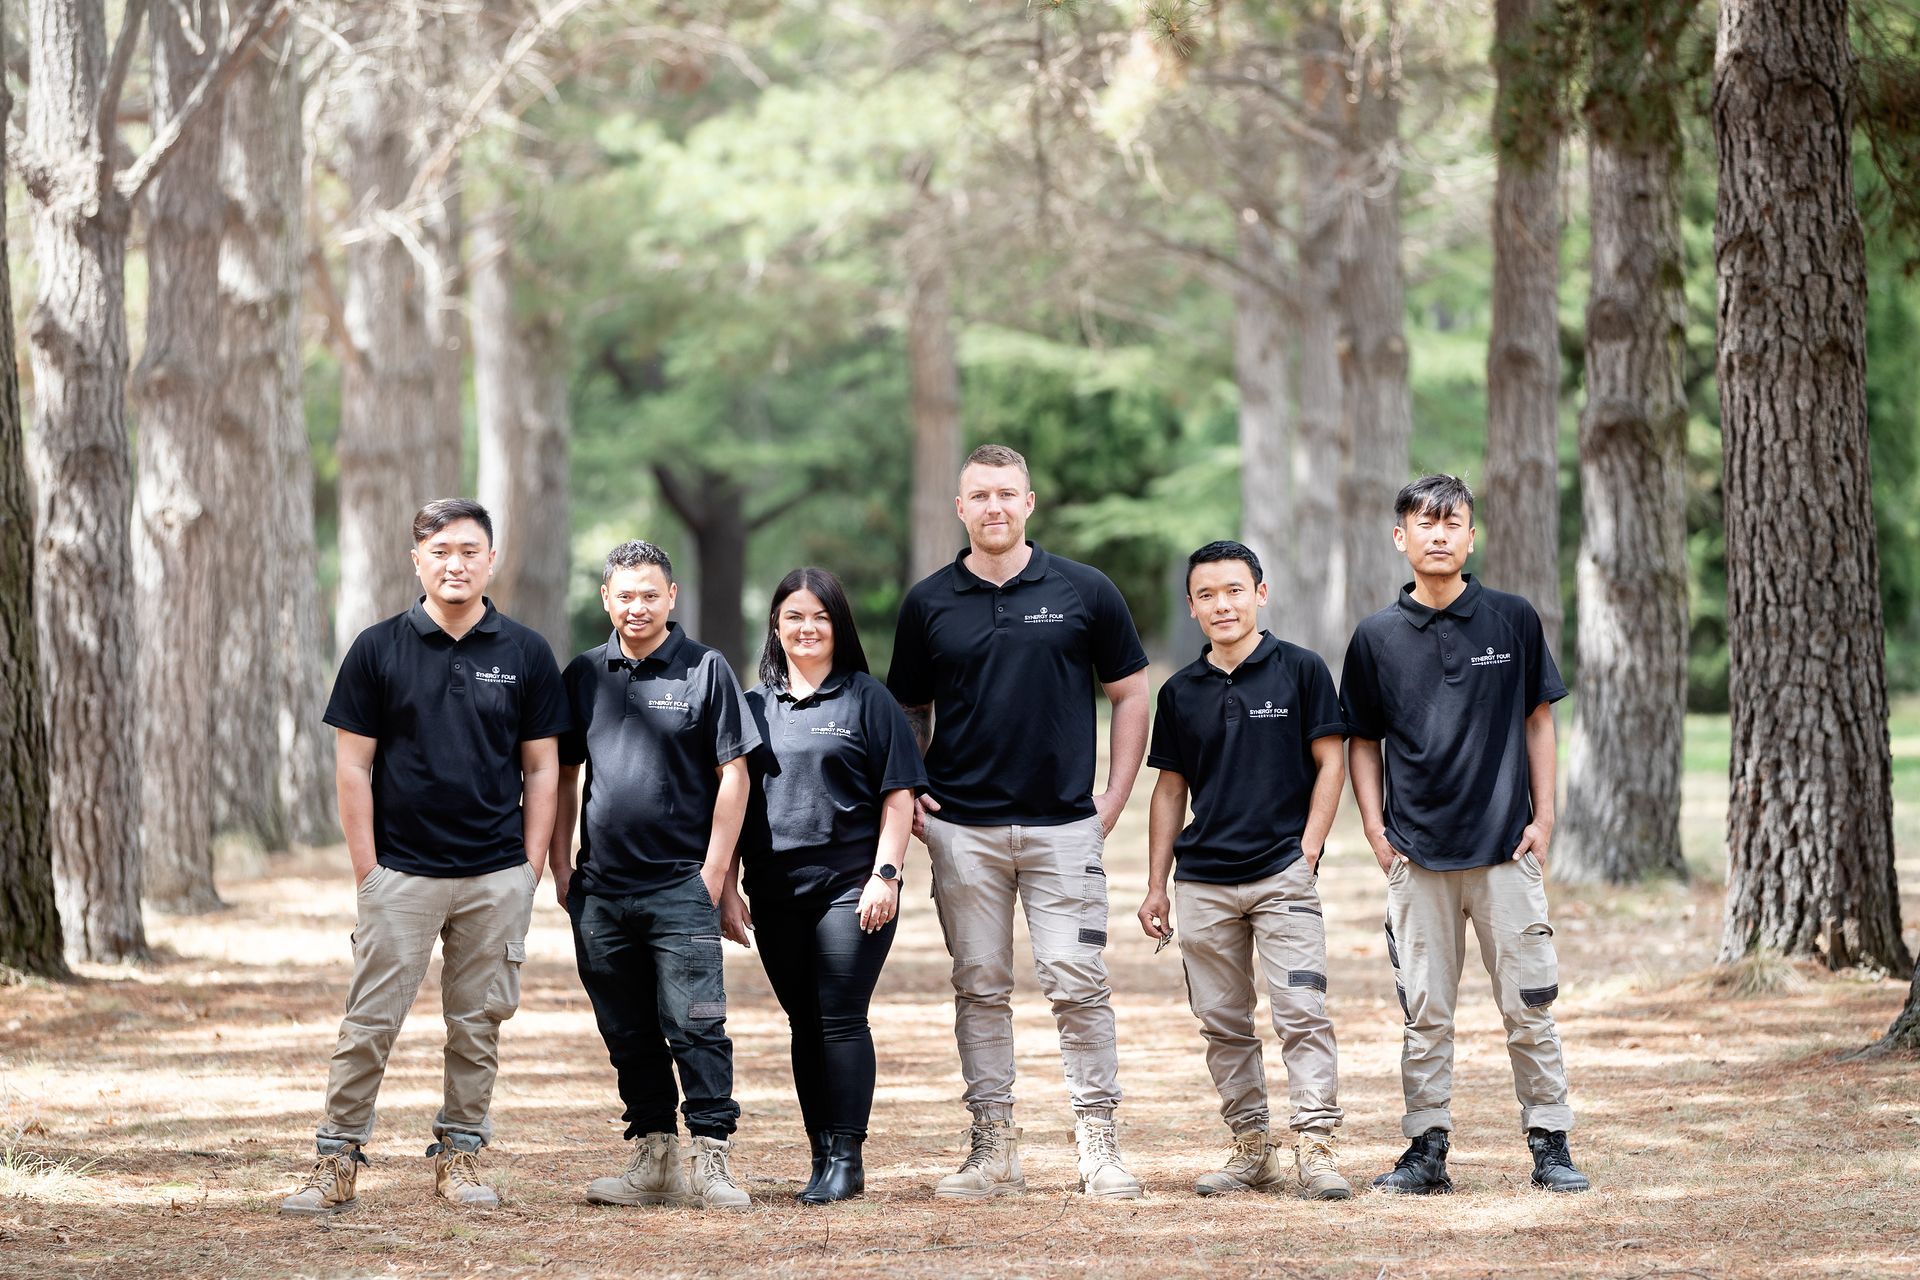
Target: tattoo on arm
921	718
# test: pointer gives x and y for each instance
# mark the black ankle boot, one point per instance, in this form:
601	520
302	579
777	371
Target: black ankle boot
819	1144
1553	1163
845	1177
1422	1171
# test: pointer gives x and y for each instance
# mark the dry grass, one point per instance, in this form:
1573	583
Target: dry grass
151	1119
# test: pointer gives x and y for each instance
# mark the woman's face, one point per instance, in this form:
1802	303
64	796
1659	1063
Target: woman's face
806	633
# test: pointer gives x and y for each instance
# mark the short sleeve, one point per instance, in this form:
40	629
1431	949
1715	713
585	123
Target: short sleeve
1117	652
732	726
358	699
910	678
1360	691
893	755
544	711
1320	705
577	685
1543	676
1164	753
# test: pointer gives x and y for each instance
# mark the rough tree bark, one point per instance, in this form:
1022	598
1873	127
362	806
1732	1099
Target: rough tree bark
1521	496
520	398
274	762
1809	827
1379	409
29	920
1621	822
388	406
180	528
934	377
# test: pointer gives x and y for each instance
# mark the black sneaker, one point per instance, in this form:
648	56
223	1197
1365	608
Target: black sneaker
1553	1163
1422	1171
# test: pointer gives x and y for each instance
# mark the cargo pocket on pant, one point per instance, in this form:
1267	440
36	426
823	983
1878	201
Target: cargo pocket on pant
1536	967
504	999
706	979
1093	904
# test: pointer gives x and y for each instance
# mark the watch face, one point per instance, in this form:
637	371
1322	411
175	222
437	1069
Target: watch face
888	871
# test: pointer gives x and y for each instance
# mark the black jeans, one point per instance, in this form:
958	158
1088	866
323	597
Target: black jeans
824	969
651	965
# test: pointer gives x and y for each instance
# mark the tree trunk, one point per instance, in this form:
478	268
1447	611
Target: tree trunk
520	396
1809	828
388	405
179	524
934	376
1521	496
1318	587
1379	411
274	770
713	508
1904	1035
29	920
1622	817
82	579
443	229
1266	409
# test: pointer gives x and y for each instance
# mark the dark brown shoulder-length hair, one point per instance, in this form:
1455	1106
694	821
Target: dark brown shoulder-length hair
847	653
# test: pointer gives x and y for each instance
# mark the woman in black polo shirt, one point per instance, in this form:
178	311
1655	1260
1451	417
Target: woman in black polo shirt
823	843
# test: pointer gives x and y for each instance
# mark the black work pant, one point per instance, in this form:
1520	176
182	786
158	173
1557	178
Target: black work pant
824	967
652	967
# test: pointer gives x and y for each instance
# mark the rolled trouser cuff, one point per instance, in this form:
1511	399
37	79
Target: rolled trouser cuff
1554	1117
987	1112
1415	1123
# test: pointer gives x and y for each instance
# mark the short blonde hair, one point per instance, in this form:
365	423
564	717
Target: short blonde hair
996	455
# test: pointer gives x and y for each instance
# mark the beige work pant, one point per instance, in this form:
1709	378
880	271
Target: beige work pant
481	922
1427	917
1059	878
1222	929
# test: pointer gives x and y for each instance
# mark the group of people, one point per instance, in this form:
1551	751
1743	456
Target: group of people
789	810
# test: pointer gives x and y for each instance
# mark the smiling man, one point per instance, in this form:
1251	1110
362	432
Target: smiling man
1250	729
1448	696
446	768
995	661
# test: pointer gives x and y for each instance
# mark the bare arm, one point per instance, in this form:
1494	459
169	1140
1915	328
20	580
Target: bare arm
539	794
353	791
1325	802
880	899
1128	745
1166	815
729	811
921	719
566	813
1541	764
1363	764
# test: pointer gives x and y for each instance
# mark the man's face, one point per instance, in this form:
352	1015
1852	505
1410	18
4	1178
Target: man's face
994	504
455	563
1436	545
1223	599
638	601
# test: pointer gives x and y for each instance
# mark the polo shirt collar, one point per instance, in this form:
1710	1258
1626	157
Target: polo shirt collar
828	687
1268	646
964	579
424	624
1462	607
617	658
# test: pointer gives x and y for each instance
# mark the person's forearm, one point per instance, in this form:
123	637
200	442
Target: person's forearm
729	812
1325	801
353	790
1127	742
896	824
566	812
1541	763
1165	817
539	805
1363	765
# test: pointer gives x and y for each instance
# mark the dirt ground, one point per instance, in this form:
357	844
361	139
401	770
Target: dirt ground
150	1120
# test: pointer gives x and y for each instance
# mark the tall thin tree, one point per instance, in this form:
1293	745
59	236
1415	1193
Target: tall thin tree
1809	826
933	371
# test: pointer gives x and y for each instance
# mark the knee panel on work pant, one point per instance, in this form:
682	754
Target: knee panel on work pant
1077	987
984	980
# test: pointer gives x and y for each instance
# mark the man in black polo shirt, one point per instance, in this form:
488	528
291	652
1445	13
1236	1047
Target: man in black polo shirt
1004	646
1447	694
1252	727
446	770
662	728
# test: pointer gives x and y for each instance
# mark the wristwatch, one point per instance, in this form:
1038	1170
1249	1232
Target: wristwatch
887	871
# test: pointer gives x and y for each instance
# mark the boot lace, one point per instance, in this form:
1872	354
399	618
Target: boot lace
711	1165
463	1167
329	1169
1551	1150
986	1142
1316	1153
1247	1149
1099	1143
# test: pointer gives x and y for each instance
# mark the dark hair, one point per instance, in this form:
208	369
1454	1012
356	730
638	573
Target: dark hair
441	512
633	554
847	653
1225	549
1436	495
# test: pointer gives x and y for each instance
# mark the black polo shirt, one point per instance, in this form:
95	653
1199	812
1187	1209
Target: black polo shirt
1447	694
652	734
825	763
1243	741
1010	672
449	717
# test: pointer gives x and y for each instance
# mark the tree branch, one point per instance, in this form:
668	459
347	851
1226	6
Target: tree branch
107	109
262	19
339	337
780	508
690	510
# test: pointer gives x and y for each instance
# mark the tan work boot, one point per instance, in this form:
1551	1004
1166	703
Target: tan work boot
1314	1163
1101	1173
456	1177
329	1186
1253	1164
654	1175
710	1181
992	1166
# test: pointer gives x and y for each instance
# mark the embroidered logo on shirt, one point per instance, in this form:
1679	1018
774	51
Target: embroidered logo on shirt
831	727
1490	658
1043	615
669	704
1268	712
496	676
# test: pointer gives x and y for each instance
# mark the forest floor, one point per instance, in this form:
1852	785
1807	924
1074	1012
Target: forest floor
151	1119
